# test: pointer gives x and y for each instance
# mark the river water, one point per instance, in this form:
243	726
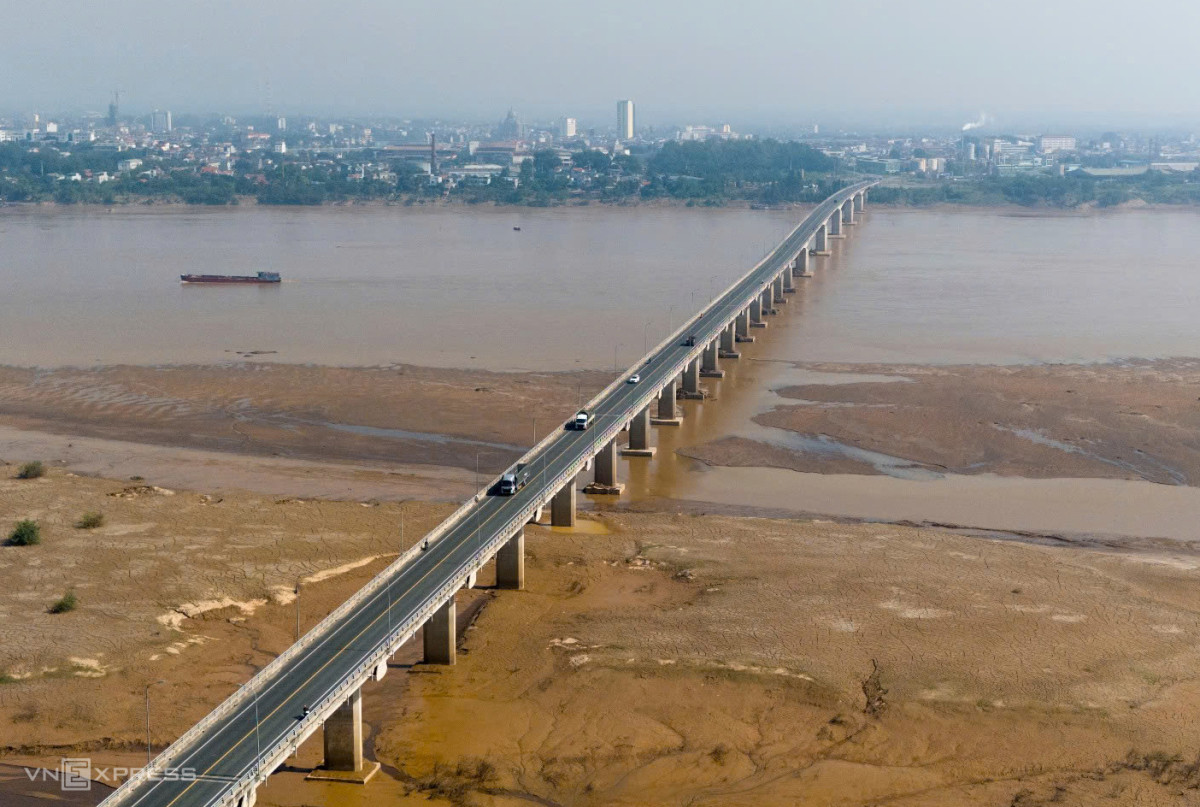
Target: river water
455	287
590	288
580	287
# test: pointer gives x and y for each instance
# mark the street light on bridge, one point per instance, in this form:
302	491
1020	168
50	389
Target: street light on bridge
151	684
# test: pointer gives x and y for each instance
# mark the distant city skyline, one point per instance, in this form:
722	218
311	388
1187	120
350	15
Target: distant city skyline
931	62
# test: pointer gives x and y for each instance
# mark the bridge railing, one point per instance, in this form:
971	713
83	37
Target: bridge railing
320	630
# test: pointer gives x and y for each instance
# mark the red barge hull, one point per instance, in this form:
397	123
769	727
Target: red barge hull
261	277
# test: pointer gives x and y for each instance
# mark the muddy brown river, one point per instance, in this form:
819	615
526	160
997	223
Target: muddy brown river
575	288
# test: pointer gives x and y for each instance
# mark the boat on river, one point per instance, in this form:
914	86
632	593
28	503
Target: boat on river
261	277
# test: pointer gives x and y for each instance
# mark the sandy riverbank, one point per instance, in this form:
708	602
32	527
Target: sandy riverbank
653	658
1130	420
388	416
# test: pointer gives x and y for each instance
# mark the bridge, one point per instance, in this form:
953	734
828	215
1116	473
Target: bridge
317	682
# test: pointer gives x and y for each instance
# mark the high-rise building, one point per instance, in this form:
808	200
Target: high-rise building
160	121
281	124
568	127
625	120
510	128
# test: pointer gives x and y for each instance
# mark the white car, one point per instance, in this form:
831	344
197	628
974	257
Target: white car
633	379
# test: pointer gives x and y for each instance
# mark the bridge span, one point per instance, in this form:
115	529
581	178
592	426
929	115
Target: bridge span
317	682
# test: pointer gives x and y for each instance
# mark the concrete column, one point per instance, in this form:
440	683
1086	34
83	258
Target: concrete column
691	378
820	242
606	464
858	201
708	366
777	289
440	634
756	313
801	267
729	342
510	563
788	285
741	331
344	736
767	297
639	436
848	211
562	506
835	224
666	406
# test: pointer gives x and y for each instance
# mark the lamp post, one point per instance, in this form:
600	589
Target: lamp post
152	683
296	592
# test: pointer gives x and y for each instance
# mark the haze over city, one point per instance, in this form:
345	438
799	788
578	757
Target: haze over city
756	63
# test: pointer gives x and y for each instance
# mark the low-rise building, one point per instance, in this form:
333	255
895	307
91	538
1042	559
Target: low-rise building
1048	144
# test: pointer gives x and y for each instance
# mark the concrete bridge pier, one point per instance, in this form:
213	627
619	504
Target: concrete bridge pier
820	242
639	436
691	380
777	297
741	325
510	563
756	313
247	799
729	342
343	732
667	416
848	212
562	506
606	464
708	365
859	201
835	225
801	267
606	471
767	297
788	286
439	635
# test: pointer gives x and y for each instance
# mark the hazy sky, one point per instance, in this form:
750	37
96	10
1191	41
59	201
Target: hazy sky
1027	62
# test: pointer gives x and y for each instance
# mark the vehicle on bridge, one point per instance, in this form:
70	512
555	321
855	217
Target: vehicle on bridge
633	379
511	482
580	422
690	341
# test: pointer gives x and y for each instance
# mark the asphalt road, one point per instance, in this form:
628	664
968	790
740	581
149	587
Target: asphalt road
235	744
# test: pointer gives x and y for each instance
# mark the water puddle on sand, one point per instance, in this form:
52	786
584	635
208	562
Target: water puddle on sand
583	526
904	491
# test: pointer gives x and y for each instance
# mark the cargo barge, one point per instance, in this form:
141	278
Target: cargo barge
261	277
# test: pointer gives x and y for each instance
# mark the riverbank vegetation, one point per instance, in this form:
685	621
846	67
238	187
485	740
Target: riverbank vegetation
709	173
1074	190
